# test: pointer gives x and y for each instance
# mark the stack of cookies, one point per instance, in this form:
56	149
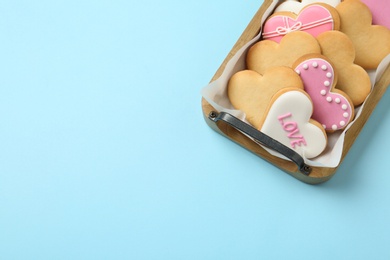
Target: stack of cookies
308	73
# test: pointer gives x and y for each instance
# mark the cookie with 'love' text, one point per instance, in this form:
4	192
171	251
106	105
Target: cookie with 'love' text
276	104
288	120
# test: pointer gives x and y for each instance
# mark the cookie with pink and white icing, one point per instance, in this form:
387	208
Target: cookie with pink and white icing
313	19
296	6
332	107
289	122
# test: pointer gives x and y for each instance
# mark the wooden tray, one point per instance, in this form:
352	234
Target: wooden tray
318	174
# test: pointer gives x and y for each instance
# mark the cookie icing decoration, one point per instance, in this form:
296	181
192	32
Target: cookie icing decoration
332	108
313	19
288	121
296	6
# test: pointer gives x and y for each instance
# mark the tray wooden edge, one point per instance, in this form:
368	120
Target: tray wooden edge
319	174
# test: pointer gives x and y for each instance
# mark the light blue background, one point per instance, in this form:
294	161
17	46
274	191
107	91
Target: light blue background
104	153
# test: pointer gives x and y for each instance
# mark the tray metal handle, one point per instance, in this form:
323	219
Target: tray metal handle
261	138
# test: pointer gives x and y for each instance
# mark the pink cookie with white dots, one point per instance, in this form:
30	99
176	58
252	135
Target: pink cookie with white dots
332	107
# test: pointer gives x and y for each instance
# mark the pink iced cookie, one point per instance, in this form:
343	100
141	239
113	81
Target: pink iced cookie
313	19
332	108
380	10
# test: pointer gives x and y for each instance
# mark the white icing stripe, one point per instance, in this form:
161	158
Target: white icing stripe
280	31
316	23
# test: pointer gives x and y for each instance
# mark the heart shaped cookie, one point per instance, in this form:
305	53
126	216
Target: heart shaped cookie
351	78
251	92
266	53
288	121
313	19
371	42
332	107
296	6
380	10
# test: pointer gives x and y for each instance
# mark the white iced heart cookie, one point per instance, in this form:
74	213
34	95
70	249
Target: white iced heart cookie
296	6
288	121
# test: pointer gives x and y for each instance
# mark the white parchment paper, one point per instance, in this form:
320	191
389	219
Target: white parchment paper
216	94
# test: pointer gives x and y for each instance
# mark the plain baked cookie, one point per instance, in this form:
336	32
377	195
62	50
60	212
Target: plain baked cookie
251	92
380	10
267	54
371	42
352	79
